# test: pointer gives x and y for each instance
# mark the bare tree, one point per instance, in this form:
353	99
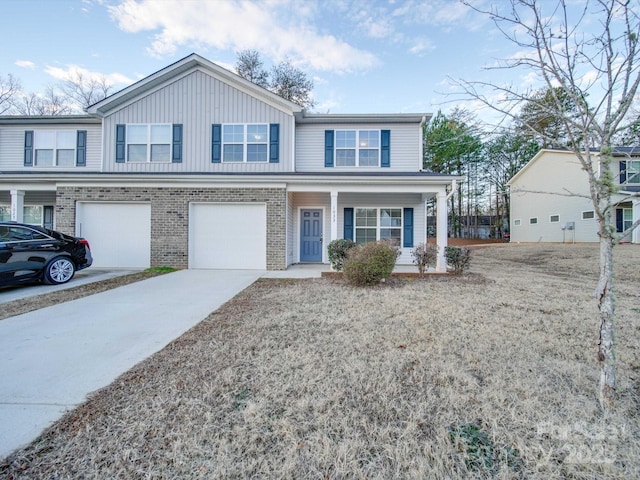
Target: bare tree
51	103
9	89
600	71
249	65
84	91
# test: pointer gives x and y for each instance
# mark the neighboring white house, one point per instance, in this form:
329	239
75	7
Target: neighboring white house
194	166
550	199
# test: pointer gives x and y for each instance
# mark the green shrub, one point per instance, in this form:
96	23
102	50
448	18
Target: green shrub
458	259
369	263
337	250
424	256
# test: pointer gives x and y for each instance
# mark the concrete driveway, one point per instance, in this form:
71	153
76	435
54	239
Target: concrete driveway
50	359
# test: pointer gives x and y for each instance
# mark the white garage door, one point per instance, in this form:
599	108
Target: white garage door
119	233
231	236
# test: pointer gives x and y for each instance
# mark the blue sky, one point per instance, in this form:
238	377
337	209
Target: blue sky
364	56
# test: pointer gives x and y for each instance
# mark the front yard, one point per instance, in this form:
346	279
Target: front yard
491	374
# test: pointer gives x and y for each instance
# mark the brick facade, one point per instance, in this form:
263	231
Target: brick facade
170	216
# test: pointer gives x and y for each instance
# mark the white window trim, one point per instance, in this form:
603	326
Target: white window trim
358	148
378	227
632	171
244	143
554	221
54	160
148	125
588	211
517	222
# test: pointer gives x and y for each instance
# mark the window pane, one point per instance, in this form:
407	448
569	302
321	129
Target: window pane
256	133
366	217
256	153
66	140
390	217
364	235
160	153
346	139
345	158
44	139
136	134
44	158
369	139
137	153
33	215
66	158
233	133
390	234
368	158
232	153
160	133
588	215
5	213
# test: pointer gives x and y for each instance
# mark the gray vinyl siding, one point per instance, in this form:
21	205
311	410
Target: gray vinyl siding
197	101
406	141
12	147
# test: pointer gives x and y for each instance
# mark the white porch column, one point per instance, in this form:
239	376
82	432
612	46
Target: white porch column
334	216
635	235
441	231
17	205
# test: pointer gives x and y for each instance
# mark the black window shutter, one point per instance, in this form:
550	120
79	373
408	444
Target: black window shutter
328	148
274	143
28	148
408	228
623	172
619	220
348	223
81	148
120	143
385	148
216	143
176	155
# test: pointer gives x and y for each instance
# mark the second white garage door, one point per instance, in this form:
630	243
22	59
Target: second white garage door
119	233
228	236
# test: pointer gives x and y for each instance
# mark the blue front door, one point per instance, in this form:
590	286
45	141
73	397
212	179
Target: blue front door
311	235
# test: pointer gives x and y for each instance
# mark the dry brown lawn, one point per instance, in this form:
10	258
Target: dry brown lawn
492	374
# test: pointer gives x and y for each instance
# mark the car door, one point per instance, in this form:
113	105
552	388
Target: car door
23	253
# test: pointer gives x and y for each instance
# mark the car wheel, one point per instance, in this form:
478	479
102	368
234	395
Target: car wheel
59	270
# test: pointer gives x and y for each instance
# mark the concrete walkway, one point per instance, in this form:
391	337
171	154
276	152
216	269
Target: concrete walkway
50	359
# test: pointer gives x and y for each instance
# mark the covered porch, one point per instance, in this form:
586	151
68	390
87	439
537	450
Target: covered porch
363	209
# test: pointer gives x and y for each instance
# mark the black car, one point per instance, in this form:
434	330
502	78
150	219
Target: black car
29	253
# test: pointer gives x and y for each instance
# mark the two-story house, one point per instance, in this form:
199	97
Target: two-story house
196	167
551	201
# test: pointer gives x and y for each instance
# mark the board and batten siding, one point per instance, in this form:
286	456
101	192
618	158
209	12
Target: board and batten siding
12	147
405	148
197	101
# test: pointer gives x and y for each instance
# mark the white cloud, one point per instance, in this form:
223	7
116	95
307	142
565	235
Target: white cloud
72	71
25	64
420	46
278	28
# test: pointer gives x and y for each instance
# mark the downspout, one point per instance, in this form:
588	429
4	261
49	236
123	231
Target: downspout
454	183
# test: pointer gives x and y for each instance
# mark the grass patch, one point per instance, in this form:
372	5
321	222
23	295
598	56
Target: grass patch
490	374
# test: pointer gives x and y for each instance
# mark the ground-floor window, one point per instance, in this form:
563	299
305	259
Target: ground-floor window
624	219
374	224
31	214
5	213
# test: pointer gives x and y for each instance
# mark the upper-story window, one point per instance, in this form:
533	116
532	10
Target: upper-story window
55	148
149	143
245	143
357	148
629	172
